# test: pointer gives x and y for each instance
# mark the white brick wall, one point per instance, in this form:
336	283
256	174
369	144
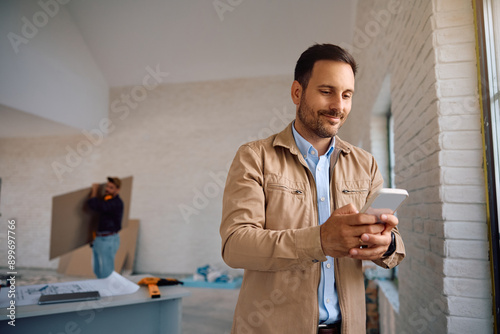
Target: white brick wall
428	50
177	143
28	185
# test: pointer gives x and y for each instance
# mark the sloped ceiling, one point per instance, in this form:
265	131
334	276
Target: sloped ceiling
195	40
201	40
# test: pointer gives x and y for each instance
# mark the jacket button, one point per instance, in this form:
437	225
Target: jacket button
315	261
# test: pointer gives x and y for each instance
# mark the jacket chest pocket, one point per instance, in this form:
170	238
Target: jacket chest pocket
355	192
286	203
285	188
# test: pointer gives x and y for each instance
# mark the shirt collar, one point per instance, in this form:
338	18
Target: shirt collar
306	148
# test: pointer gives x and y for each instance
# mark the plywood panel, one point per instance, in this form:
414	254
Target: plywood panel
73	222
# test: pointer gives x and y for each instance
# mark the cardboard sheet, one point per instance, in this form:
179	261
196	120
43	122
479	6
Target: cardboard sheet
128	238
73	222
79	262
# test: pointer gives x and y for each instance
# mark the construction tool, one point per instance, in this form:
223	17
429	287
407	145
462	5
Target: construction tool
154	282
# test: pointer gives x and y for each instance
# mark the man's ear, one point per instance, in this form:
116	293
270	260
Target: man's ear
296	92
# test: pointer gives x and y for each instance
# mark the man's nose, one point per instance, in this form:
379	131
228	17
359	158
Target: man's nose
336	103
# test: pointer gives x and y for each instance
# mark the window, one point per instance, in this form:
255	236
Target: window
382	148
488	27
381	134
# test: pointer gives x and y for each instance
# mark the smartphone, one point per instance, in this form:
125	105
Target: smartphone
68	297
385	201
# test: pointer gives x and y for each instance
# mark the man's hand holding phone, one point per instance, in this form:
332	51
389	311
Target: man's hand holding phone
374	246
366	235
382	204
343	230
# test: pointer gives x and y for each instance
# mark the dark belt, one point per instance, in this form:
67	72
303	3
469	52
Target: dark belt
105	234
330	329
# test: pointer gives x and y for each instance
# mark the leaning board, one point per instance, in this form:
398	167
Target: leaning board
73	222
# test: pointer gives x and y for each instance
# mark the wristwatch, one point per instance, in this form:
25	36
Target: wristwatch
392	246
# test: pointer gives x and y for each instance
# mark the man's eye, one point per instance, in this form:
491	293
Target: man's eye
325	92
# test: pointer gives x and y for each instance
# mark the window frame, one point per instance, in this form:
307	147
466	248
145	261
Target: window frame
490	111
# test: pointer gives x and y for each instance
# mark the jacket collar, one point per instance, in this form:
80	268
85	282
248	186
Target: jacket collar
285	139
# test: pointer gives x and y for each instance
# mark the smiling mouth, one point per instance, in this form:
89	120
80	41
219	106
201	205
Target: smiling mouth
337	117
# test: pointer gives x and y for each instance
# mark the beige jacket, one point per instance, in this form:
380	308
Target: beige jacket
270	228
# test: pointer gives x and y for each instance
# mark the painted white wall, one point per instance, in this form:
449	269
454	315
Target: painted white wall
177	141
46	68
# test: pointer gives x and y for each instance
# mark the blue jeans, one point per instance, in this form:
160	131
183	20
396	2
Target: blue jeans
104	250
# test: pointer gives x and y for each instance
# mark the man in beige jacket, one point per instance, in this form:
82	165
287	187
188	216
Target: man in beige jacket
290	213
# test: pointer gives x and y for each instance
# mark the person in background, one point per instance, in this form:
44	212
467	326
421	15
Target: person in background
107	240
290	212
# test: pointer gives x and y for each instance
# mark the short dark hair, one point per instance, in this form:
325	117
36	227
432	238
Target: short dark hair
116	181
305	64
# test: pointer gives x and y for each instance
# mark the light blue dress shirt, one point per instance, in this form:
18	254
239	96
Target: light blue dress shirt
329	310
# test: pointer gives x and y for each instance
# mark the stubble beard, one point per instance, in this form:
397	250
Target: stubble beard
317	126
